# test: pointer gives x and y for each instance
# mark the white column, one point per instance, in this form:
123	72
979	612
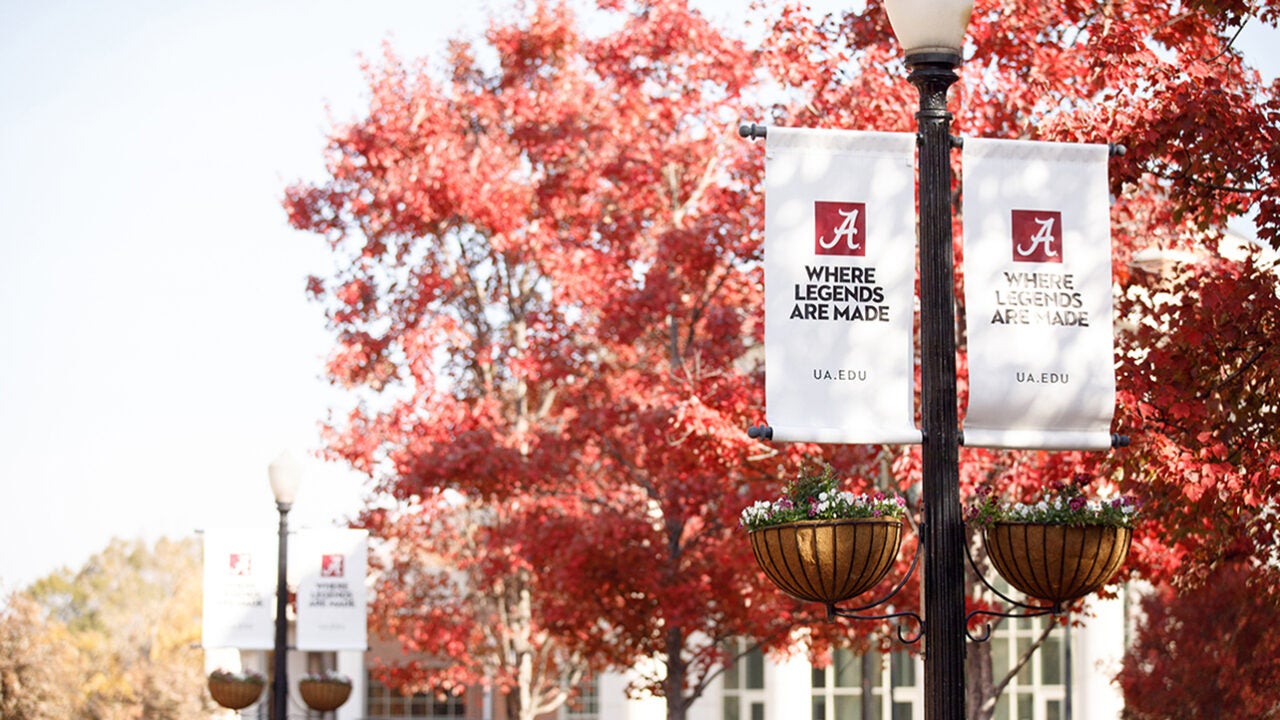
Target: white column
1095	659
788	688
351	664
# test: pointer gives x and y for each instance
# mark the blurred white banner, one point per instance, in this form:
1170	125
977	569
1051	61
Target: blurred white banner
331	589
239	589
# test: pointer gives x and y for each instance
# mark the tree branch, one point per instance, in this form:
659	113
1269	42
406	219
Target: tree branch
999	687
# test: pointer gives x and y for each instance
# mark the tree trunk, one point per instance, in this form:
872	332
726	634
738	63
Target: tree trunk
673	684
521	624
983	707
979	682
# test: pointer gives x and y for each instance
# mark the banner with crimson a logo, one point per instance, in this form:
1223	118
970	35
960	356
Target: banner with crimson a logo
1037	269
239	589
331	589
839	279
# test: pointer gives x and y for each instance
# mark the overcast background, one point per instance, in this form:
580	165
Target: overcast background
157	350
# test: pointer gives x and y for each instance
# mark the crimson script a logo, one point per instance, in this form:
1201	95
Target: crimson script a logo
1037	236
839	228
331	566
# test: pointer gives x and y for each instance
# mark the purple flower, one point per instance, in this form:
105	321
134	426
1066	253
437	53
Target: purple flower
1078	503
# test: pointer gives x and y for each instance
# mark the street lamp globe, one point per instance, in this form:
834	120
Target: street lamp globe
929	26
285	474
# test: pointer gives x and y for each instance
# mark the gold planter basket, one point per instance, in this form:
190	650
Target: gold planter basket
235	694
1057	563
827	561
324	695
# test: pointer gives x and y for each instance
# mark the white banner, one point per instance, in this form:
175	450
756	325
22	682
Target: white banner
239	589
331	589
1037	270
839	273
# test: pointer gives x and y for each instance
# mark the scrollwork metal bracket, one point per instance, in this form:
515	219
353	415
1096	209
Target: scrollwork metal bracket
1031	610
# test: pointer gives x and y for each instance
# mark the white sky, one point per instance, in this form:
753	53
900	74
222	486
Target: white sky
157	350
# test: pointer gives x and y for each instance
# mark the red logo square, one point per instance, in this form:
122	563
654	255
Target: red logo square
1037	236
839	228
240	564
331	565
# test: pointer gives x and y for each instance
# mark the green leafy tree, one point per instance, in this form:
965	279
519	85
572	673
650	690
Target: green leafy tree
132	615
39	667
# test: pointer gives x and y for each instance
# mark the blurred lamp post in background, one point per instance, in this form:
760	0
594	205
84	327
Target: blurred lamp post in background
285	475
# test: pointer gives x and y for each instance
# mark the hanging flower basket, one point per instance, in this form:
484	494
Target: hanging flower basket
819	543
235	691
324	695
1057	563
827	561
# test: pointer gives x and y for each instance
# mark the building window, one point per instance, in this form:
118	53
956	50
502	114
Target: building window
867	686
585	705
743	696
1038	690
383	703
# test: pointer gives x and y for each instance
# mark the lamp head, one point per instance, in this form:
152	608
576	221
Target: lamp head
930	26
285	475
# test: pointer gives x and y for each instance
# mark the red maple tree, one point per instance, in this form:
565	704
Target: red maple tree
1208	653
547	299
466	605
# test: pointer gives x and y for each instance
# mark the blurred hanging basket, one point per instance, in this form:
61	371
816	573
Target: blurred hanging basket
235	691
1057	563
325	694
827	561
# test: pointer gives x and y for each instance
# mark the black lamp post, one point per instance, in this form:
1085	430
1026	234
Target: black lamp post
284	474
932	32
